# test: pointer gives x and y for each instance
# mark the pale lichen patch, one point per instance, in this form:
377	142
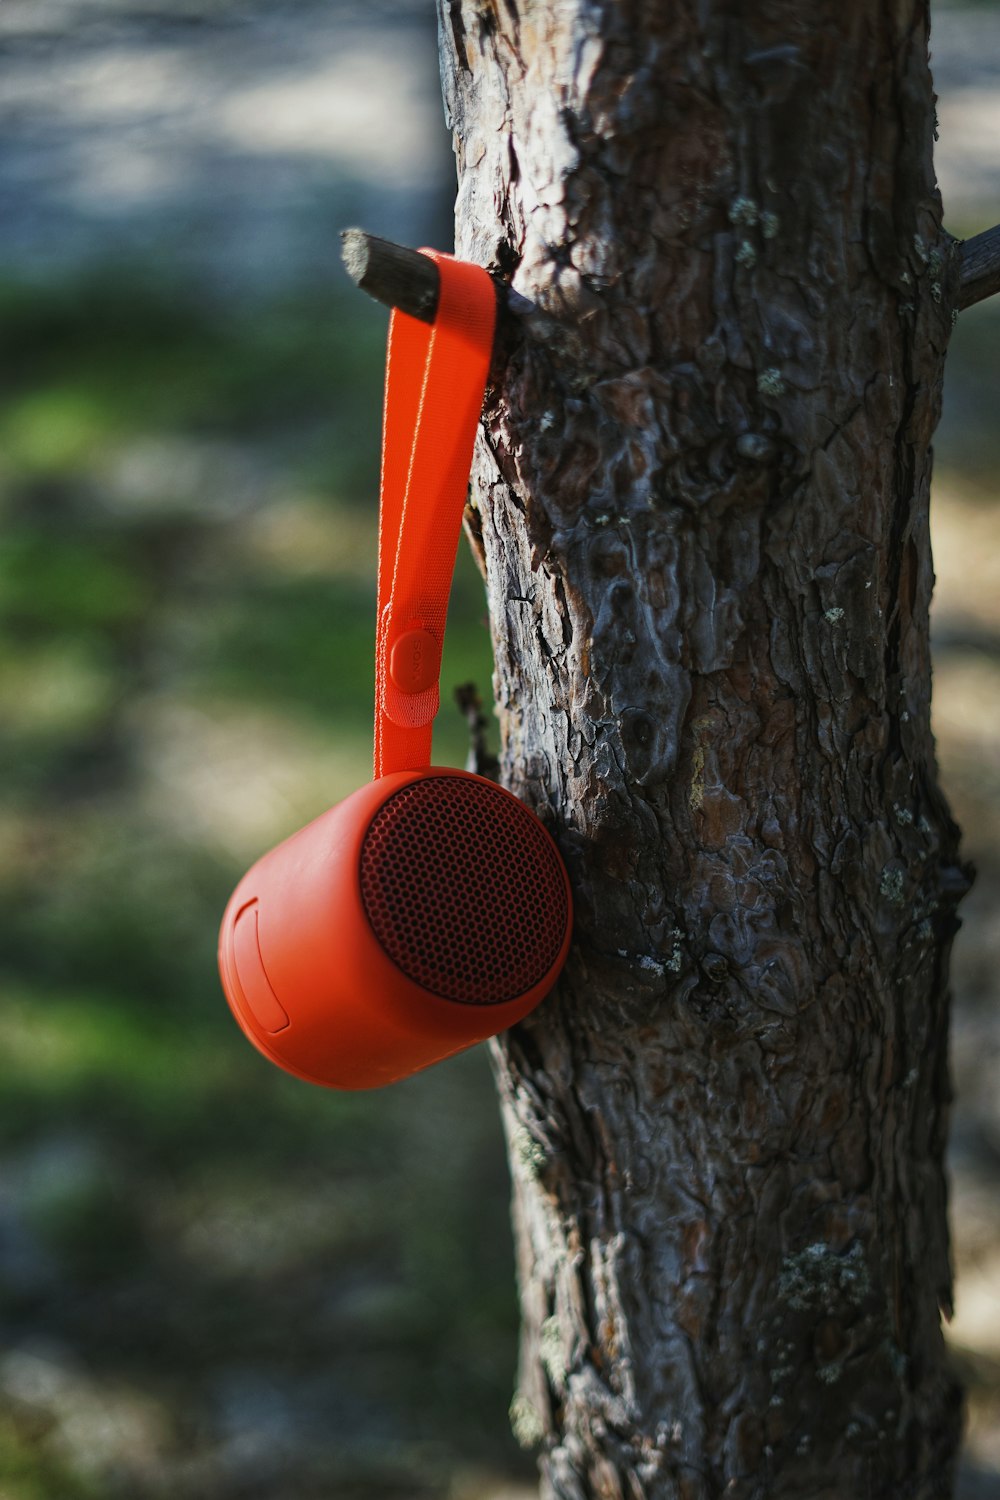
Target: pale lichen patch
743	212
770	383
525	1423
550	1348
673	963
819	1279
527	1150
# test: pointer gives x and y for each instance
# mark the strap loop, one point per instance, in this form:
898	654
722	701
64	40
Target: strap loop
434	382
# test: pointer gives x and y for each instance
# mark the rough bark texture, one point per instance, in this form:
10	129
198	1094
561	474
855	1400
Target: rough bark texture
701	508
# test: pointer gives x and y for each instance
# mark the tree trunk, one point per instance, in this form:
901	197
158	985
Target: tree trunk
701	511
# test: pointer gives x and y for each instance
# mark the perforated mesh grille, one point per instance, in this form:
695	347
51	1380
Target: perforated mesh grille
464	890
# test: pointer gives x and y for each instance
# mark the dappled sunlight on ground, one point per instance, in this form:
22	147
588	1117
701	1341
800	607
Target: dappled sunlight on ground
229	139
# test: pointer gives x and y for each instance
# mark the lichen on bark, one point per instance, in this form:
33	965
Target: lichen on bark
700	505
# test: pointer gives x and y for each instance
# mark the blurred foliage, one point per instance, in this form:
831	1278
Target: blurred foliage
966	443
94	358
26	1475
189	501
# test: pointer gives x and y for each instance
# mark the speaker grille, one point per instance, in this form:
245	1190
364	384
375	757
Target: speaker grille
464	890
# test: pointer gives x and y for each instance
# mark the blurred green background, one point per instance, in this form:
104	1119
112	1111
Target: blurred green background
216	1281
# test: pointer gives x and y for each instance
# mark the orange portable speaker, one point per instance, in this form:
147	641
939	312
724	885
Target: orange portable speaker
430	909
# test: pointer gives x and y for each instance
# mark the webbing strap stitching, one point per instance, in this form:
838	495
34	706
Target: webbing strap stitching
435	379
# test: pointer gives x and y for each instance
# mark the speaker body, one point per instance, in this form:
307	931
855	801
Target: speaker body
424	913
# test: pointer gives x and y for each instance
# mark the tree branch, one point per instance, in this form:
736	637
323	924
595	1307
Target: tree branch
980	268
392	274
399	277
403	278
480	759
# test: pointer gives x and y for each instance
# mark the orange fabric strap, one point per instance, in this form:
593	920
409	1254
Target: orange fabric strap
435	377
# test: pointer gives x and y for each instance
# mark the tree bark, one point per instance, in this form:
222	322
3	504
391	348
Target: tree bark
700	504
